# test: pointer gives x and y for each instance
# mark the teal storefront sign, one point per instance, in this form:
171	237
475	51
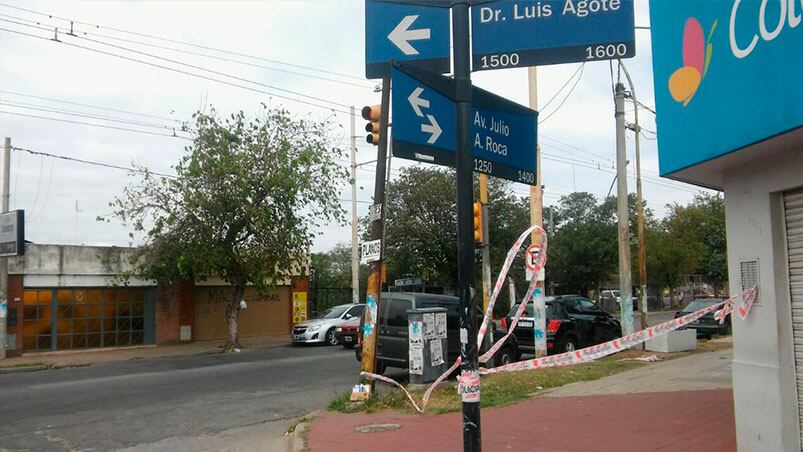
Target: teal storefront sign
728	73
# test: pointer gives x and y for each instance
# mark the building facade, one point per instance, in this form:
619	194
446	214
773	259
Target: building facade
73	297
729	104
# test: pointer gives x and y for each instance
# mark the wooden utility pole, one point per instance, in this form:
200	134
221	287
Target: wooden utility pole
537	218
374	286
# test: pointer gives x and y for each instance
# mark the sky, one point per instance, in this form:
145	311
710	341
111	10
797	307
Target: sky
315	48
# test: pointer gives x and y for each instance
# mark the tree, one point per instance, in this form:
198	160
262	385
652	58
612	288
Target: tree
243	205
583	251
422	225
701	225
668	259
332	270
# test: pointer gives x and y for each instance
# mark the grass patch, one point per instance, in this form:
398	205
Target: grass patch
507	388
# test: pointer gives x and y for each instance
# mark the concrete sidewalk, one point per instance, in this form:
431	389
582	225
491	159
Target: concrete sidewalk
76	358
682	404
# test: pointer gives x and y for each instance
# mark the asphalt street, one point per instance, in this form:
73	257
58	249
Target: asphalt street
168	403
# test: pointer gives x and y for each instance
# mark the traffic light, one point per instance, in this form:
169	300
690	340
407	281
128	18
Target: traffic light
478	236
372	113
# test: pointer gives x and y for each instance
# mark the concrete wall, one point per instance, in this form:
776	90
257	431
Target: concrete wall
764	383
73	266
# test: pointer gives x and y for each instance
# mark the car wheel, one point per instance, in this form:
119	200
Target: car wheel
505	356
380	368
348	345
331	339
568	344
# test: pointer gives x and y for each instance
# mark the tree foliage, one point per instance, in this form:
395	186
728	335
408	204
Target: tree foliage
244	204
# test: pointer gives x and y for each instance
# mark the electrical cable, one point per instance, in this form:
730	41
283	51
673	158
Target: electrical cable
91	162
204	55
160	38
582	66
561	88
84	115
170	60
104	126
111	166
35	216
89	106
178	71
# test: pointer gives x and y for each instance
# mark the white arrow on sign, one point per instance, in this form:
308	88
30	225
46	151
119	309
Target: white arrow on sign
433	128
402	35
417	102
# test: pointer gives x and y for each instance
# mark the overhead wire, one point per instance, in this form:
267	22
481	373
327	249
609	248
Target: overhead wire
110	166
181	63
178	71
186	43
554	96
576	81
91	162
204	55
80	114
104	126
14	93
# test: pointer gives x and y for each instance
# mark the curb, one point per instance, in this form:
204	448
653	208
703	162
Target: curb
22	369
297	435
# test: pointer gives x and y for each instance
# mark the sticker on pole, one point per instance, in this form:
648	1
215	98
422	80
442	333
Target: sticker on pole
534	261
370	251
470	386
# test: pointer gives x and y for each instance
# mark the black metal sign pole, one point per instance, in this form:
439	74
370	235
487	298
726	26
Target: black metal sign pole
465	232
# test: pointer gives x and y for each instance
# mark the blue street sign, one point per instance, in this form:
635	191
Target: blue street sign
425	126
520	33
402	32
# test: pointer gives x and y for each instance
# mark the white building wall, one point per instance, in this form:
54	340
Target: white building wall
764	380
73	266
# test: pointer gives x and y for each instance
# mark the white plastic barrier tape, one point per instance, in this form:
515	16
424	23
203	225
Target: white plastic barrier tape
469	385
608	348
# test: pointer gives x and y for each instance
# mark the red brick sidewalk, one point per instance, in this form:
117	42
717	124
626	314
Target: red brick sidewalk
665	421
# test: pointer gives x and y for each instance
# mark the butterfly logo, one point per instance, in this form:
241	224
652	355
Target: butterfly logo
684	82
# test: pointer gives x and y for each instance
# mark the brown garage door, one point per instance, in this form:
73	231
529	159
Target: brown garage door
267	314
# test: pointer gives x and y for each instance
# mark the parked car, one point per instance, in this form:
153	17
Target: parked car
321	329
706	325
572	322
346	333
392	343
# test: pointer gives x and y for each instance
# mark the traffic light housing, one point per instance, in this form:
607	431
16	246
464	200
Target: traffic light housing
479	238
372	114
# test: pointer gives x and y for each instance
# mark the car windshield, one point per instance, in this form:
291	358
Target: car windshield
333	312
700	303
528	311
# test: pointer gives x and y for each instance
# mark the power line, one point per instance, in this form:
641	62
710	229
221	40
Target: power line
89	106
60	111
576	81
562	87
94	163
117	167
177	70
181	63
204	55
104	126
191	44
585	151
